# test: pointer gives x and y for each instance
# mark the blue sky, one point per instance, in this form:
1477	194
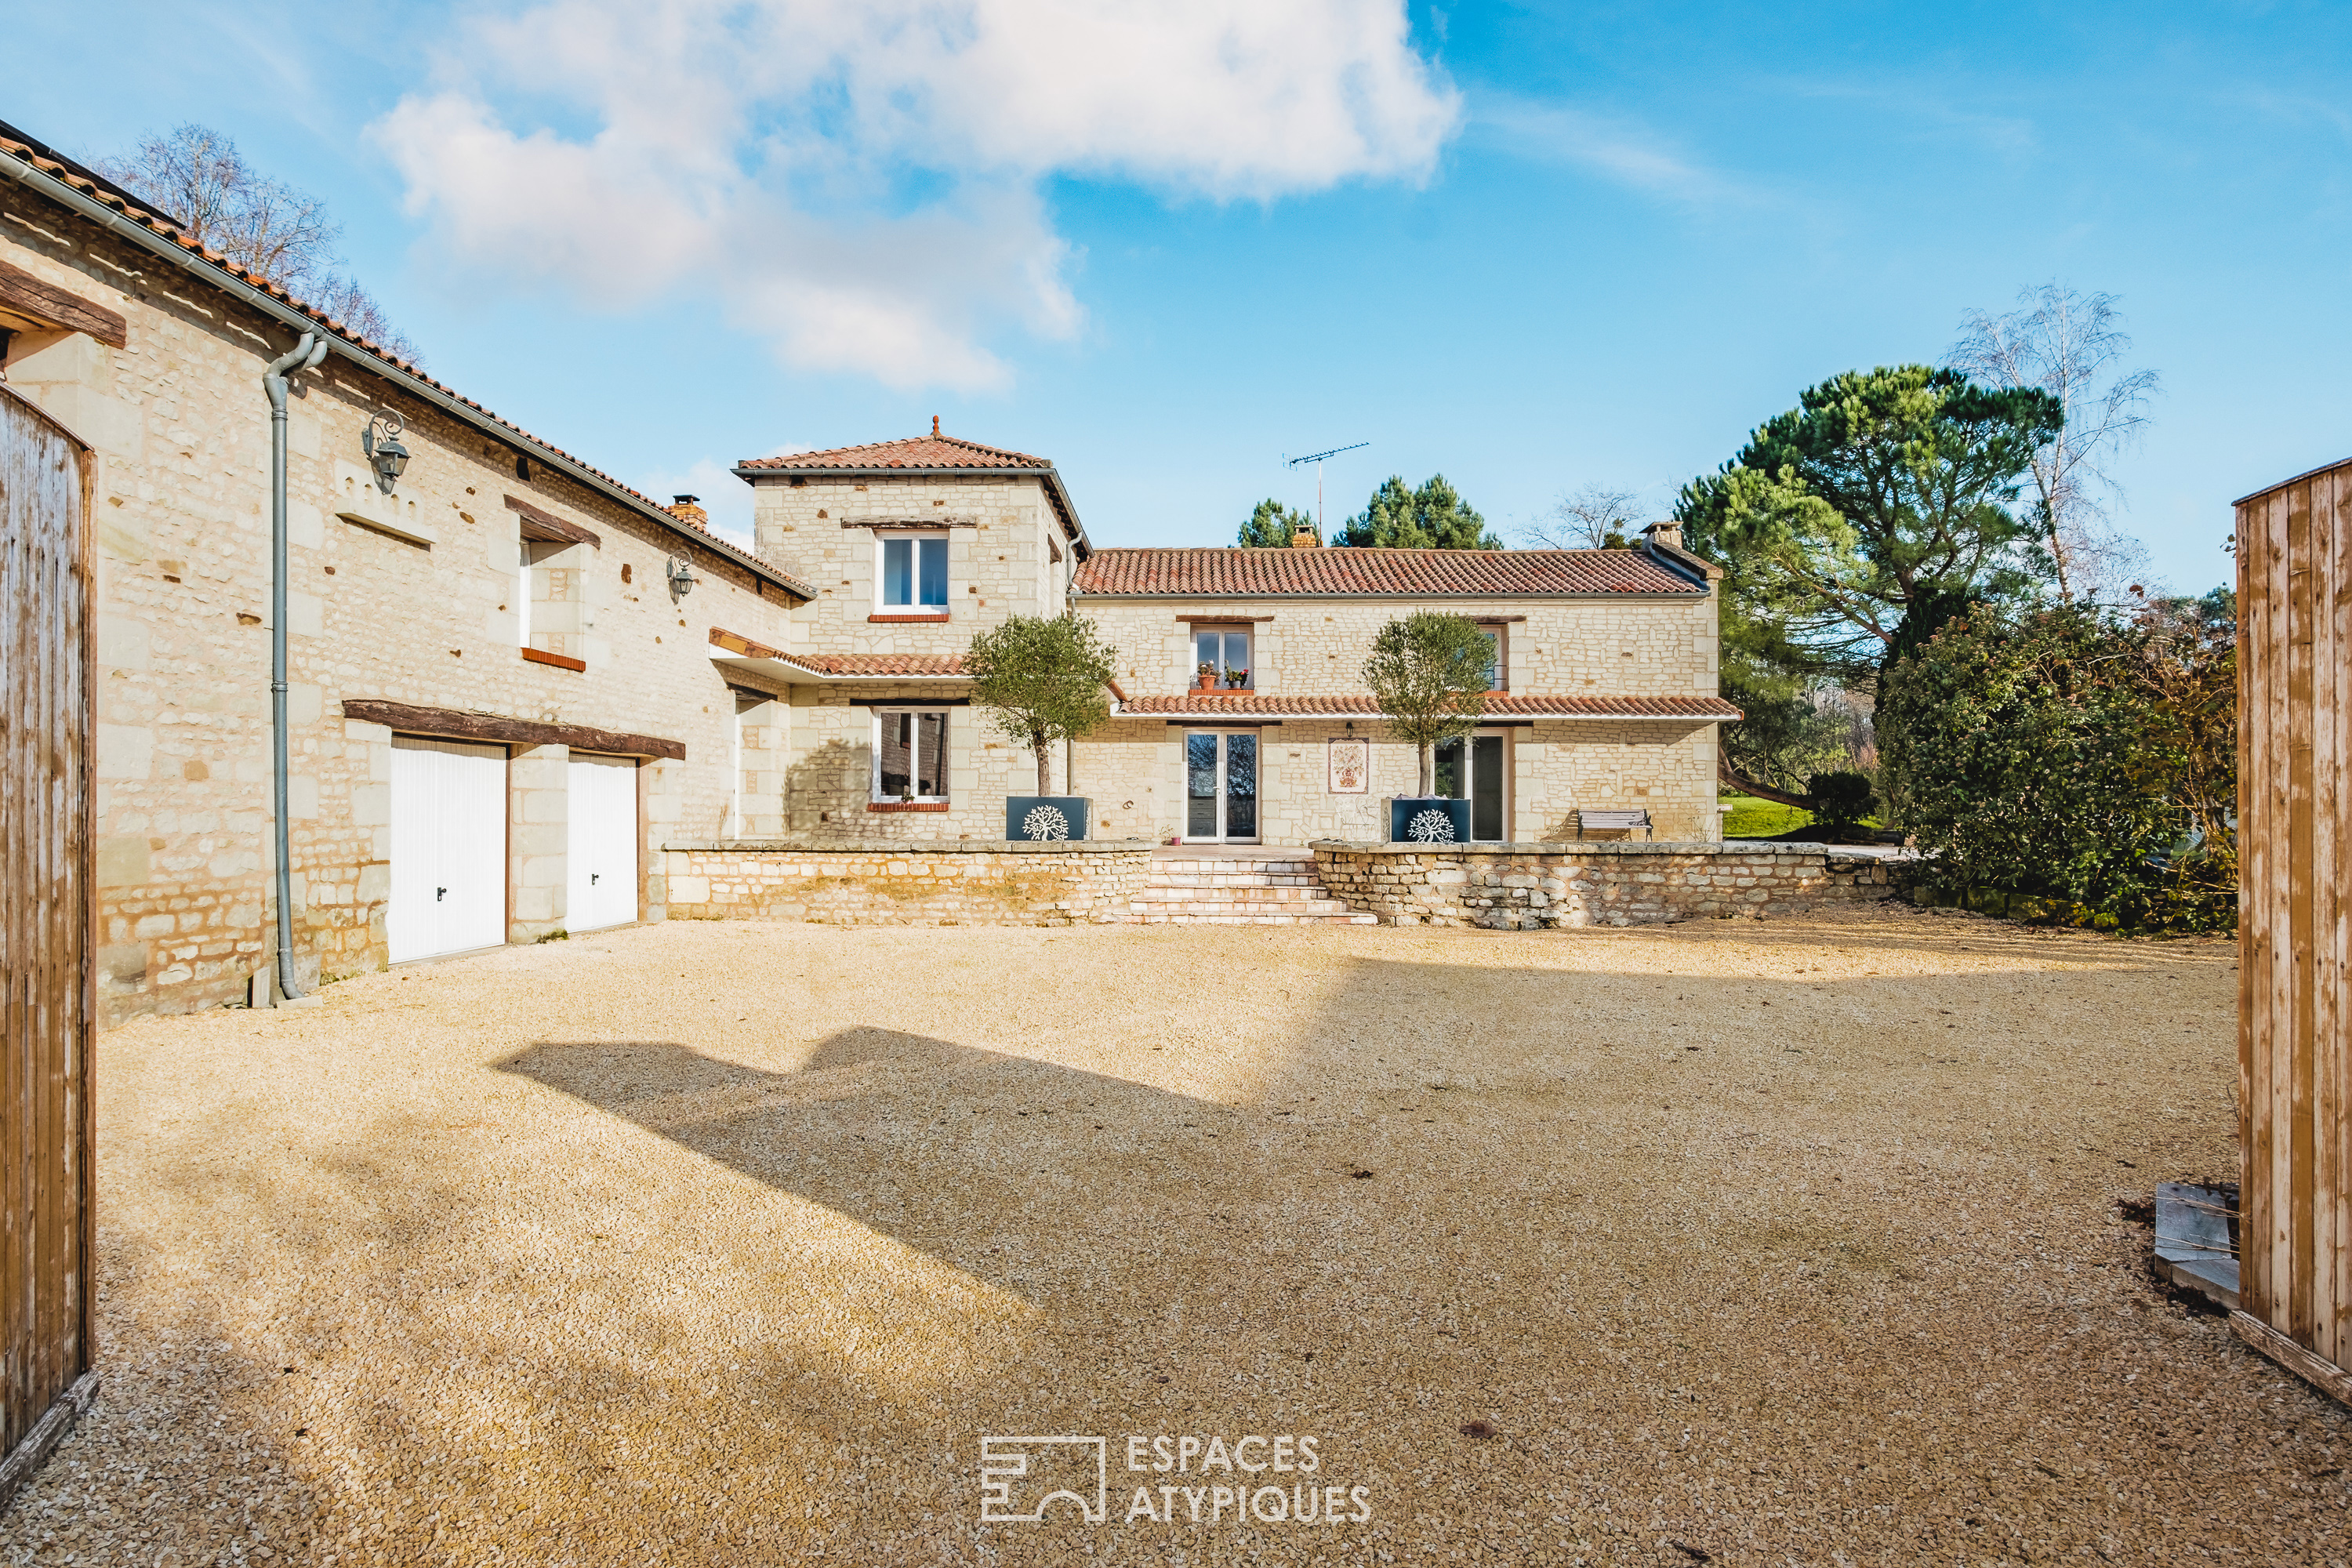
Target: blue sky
1530	247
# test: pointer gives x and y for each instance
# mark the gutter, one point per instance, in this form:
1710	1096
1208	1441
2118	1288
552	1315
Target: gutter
304	355
50	189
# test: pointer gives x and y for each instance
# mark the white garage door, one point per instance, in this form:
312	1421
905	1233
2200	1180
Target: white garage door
448	848
603	853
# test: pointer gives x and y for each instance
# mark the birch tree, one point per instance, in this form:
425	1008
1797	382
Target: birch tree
1592	518
2071	348
194	176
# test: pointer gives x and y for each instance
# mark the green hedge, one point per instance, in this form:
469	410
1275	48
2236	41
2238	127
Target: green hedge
2072	764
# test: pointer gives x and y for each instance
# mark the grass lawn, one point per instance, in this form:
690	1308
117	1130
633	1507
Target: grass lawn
1745	816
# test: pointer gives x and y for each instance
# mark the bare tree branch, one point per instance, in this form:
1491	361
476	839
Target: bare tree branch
2068	346
193	175
1587	520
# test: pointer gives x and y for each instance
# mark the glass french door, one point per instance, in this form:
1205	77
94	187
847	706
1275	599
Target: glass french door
1221	787
1471	768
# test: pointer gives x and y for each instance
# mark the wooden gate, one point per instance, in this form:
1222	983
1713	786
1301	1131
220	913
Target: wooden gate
47	934
2294	1028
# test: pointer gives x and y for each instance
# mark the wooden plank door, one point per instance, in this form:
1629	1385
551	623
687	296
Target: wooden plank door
47	930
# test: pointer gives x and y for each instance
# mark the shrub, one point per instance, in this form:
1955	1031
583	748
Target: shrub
2068	757
1841	800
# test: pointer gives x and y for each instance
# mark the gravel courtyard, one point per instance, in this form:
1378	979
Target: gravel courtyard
1794	1241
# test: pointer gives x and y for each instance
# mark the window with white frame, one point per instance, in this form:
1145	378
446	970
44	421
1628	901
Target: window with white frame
911	754
1222	656
914	572
1498	671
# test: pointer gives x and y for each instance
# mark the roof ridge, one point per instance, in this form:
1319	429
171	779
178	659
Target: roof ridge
909	444
1387	572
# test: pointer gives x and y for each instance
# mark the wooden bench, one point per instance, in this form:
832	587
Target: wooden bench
1627	820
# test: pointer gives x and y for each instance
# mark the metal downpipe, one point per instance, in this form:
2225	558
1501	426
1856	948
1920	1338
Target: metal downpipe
305	355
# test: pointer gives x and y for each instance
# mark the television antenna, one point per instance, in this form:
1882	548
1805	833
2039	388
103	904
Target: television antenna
1317	458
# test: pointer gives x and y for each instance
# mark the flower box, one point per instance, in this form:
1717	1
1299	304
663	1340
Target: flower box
1045	818
1428	819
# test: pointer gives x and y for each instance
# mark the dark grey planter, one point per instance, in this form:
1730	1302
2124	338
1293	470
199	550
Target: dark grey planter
1045	816
1406	811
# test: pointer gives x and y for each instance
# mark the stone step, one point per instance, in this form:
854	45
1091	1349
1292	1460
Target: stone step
1257	889
1270	905
1215	873
1231	895
1221	918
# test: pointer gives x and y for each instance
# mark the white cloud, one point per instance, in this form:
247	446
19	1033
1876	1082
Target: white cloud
858	182
1628	155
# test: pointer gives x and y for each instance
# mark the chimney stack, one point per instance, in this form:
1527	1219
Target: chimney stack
1302	535
688	510
1669	534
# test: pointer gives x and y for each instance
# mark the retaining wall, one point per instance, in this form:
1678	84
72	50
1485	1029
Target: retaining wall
1527	887
954	883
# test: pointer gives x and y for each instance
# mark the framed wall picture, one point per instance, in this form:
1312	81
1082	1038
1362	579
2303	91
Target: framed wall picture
1351	764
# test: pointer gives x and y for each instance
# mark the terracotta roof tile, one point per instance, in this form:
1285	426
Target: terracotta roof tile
15	143
932	451
862	664
845	665
1507	705
1340	572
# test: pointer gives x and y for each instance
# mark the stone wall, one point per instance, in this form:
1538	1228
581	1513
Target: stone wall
1134	771
827	782
418	602
1608	645
884	883
1006	556
1527	887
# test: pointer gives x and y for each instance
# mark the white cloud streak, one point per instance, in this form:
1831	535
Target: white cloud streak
1623	153
859	182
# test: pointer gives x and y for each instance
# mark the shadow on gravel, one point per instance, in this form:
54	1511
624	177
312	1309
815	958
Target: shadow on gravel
950	1149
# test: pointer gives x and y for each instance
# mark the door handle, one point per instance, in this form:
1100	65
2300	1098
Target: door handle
437	892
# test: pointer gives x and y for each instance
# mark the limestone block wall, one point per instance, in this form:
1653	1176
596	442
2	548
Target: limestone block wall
1665	767
829	778
763	754
884	883
1600	646
415	603
1134	771
1006	556
1521	886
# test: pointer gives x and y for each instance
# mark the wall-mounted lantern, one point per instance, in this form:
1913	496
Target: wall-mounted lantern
384	451
681	578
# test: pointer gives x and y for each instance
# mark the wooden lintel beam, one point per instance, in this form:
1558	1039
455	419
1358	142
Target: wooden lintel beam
24	294
450	724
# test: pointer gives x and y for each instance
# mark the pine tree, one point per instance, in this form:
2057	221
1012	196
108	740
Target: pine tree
1272	525
1434	517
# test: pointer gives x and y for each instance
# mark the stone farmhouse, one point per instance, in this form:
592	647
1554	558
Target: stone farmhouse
520	692
501	702
1240	716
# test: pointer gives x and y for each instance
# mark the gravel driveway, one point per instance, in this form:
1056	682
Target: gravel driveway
1750	1243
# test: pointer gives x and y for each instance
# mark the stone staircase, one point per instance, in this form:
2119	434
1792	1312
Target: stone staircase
1275	889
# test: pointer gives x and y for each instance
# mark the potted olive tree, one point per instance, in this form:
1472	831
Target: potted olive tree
1429	673
1043	676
